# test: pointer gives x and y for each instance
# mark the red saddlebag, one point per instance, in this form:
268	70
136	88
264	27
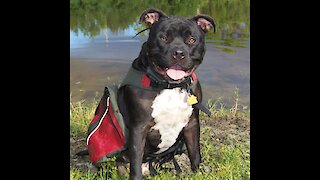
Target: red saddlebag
107	131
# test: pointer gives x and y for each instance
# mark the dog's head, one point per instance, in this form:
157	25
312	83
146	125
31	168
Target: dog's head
176	45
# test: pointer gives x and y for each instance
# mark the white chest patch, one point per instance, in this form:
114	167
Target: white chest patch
171	113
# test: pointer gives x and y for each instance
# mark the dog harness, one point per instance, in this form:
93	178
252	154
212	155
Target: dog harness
150	80
107	132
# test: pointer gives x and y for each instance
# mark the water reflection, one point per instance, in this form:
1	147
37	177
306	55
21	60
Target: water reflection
229	45
90	17
79	39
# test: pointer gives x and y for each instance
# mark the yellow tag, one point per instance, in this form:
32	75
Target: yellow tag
192	100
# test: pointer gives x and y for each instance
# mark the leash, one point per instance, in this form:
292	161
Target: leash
192	99
203	108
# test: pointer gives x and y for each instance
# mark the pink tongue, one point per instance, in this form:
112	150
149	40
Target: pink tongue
175	74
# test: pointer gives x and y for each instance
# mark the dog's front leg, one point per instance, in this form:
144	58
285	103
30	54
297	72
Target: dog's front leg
136	150
139	110
192	136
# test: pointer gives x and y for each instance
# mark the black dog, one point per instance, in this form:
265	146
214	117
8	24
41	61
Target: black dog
157	119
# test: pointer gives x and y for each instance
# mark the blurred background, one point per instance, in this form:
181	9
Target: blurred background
102	46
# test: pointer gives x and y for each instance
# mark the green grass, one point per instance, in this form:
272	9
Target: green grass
81	114
224	161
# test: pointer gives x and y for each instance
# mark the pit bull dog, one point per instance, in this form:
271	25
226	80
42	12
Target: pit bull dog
166	109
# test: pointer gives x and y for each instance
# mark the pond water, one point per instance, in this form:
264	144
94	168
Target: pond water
102	46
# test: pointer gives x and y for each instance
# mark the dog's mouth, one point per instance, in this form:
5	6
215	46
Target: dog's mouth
175	72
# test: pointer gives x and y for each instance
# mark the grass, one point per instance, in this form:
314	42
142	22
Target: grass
81	114
223	157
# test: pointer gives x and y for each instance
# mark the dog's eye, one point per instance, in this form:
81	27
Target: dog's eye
191	40
164	38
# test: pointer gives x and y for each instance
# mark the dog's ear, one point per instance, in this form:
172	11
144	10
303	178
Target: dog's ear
150	16
205	22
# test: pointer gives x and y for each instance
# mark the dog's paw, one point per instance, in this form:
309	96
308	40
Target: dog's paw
123	169
145	169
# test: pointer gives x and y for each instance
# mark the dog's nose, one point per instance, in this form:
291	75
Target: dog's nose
178	54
